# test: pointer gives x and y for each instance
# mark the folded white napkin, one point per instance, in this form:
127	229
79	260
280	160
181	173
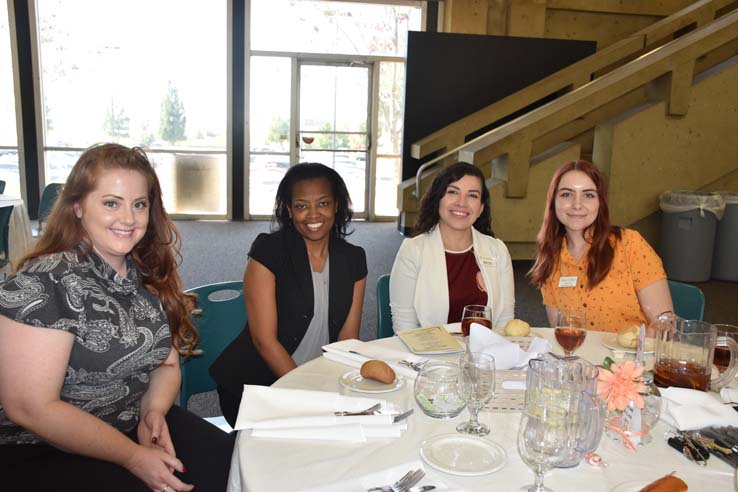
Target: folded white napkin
507	354
341	352
688	409
384	477
303	414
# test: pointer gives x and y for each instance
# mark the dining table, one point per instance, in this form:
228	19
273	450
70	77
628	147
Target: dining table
19	229
276	465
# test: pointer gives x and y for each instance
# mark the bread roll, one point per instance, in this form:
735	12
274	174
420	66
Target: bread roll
377	370
628	336
669	483
517	328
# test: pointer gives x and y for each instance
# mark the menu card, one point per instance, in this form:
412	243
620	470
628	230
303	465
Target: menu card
430	340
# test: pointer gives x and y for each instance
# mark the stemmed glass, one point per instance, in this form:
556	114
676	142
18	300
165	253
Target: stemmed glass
474	313
476	386
542	441
570	330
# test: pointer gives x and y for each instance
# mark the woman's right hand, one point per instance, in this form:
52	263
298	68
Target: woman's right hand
153	465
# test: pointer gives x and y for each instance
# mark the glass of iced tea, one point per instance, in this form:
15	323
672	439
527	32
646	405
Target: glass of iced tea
475	313
570	329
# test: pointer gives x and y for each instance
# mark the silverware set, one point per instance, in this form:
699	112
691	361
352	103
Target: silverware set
415	366
404	484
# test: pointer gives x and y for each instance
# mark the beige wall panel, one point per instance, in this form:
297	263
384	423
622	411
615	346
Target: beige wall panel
642	7
592	26
519	219
466	16
652	153
526	18
497	17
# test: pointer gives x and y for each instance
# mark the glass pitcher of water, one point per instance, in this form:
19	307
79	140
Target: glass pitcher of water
570	384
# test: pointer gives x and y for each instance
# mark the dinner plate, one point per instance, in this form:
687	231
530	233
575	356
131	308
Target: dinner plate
460	454
611	342
355	382
631	486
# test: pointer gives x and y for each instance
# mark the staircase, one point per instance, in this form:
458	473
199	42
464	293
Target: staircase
657	110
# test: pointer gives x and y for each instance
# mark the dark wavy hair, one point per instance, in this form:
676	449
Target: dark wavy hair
552	233
313	170
156	255
428	216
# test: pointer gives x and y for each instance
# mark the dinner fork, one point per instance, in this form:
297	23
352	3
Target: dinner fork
403	484
416	366
369	411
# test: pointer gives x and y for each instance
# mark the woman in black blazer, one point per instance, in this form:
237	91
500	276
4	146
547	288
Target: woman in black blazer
304	285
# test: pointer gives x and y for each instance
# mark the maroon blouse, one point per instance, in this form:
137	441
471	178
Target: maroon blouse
465	283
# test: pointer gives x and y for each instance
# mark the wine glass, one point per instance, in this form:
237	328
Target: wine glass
542	441
570	329
476	386
474	313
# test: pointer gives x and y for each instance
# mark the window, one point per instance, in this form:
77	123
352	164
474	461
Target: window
155	77
312	86
8	135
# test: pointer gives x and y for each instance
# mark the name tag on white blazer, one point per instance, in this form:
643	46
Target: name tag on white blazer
489	262
567	282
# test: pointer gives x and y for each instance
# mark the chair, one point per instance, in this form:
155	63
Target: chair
688	300
48	198
384	313
5	213
222	319
2	186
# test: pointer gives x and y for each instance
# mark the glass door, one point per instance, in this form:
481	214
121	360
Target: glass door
334	115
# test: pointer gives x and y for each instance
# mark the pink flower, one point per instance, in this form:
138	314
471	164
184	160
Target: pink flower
622	384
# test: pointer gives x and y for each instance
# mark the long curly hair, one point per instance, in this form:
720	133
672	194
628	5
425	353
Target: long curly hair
313	170
156	255
599	233
428	216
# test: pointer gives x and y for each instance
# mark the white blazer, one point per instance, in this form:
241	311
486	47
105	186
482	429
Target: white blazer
419	282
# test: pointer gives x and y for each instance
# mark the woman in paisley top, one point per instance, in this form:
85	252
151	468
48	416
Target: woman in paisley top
92	326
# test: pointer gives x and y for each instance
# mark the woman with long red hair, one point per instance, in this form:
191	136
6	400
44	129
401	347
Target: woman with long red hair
92	326
584	262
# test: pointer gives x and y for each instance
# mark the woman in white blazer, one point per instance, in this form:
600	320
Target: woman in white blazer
452	260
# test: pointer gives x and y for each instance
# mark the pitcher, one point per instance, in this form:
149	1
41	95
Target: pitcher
570	384
685	351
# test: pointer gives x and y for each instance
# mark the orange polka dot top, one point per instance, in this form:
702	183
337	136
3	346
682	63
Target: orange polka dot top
613	303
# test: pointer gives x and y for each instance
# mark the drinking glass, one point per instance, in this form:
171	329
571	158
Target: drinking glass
542	441
570	330
722	359
475	313
476	386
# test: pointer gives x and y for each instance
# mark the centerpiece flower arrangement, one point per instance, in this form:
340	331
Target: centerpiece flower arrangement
621	384
630	415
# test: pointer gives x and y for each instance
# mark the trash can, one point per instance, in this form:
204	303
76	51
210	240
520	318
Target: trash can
688	224
725	259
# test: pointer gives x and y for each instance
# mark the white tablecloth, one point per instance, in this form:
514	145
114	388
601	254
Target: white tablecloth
19	239
261	465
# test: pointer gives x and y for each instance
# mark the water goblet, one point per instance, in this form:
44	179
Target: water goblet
542	442
570	330
476	386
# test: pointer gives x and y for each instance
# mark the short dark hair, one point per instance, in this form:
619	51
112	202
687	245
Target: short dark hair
313	170
428	216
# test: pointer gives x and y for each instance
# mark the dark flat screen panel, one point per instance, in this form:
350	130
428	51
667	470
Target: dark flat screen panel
450	76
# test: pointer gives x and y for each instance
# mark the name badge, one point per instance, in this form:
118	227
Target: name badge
568	282
489	262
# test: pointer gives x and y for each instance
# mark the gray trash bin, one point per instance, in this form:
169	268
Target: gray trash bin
688	224
725	259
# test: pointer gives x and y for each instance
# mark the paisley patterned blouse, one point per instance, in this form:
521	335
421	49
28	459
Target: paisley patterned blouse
121	332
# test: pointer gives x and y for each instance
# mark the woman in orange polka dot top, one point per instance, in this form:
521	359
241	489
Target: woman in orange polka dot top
585	262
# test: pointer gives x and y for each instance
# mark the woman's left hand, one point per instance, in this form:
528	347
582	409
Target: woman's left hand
154	432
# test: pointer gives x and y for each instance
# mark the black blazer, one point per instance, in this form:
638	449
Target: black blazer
285	255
